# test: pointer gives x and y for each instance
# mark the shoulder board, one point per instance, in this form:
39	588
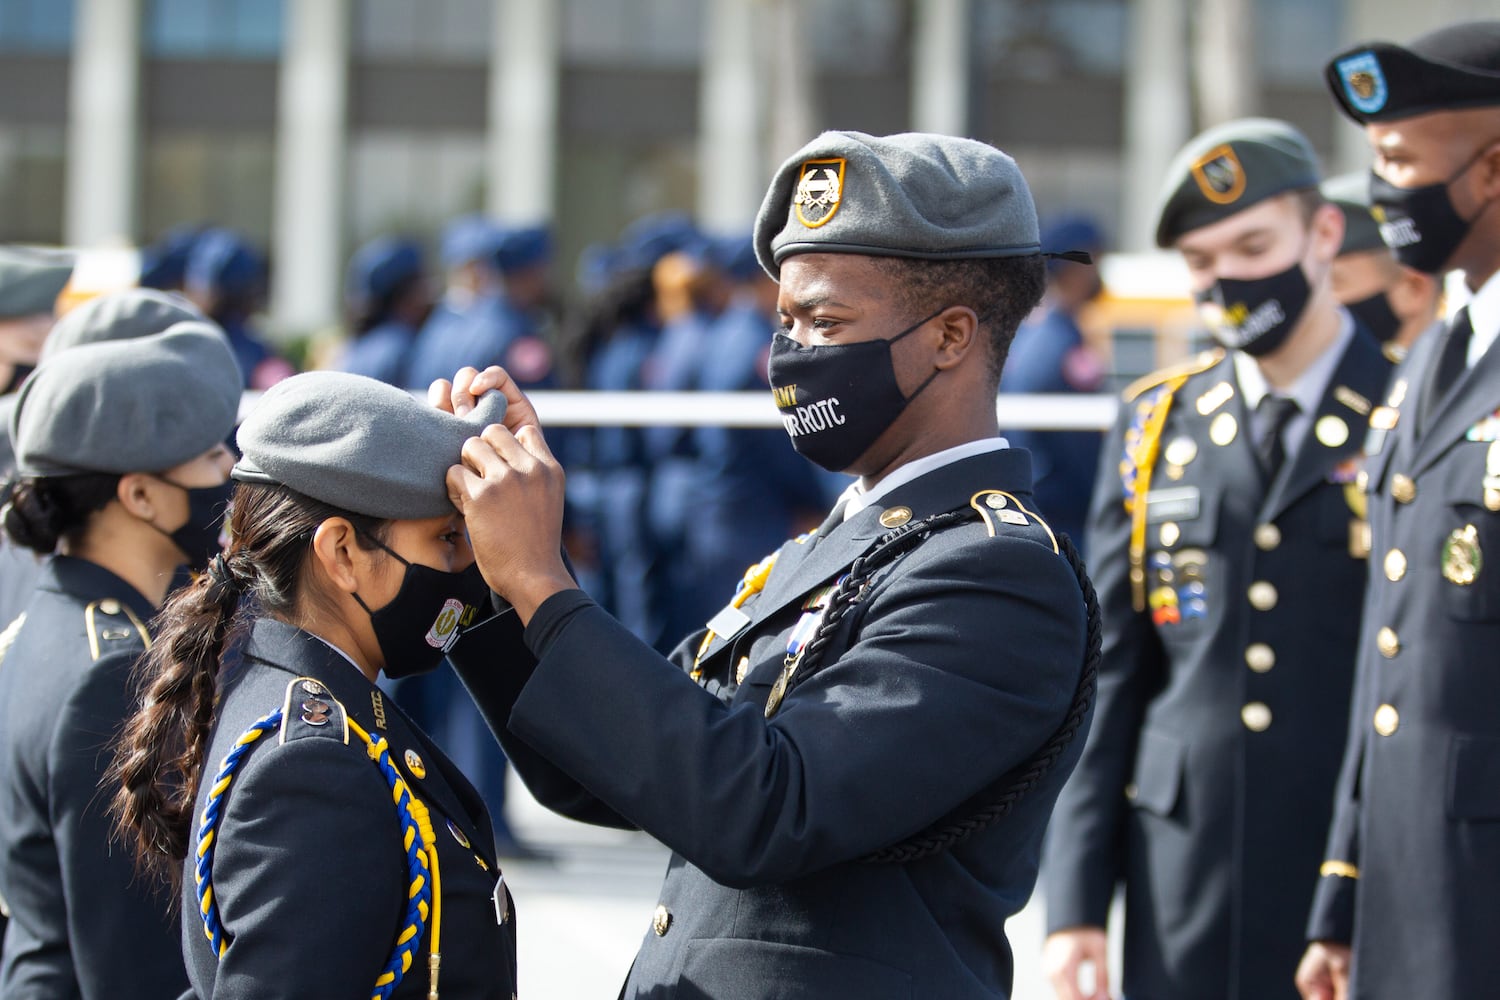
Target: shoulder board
112	627
1202	363
1002	513
310	709
8	637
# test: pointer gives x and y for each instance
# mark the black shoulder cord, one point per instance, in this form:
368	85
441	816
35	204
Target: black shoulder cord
989	806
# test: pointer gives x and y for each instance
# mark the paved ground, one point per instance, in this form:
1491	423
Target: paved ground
581	916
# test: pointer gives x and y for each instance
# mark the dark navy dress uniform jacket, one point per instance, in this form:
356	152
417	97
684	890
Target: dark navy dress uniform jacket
82	923
310	873
1207	782
957	664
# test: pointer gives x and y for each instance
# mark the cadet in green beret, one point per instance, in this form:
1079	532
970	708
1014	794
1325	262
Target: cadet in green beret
854	760
1394	302
1409	892
324	846
1226	540
123	472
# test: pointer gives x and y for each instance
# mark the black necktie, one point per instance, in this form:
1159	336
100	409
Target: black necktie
1275	413
1453	359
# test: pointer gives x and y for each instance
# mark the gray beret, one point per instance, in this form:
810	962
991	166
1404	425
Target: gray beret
934	197
1227	170
122	406
31	280
1350	194
123	315
358	444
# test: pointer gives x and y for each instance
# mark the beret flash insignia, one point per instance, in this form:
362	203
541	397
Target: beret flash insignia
820	188
1220	176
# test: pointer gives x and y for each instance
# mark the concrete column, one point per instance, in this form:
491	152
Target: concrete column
103	123
793	101
311	138
940	67
1157	118
732	171
521	172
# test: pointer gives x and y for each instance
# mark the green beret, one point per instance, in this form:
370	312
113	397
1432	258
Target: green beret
1445	70
120	406
358	444
933	197
31	280
123	315
1227	170
1350	194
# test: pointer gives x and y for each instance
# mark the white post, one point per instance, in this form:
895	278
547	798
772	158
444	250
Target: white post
940	67
731	160
1157	117
311	138
103	123
523	111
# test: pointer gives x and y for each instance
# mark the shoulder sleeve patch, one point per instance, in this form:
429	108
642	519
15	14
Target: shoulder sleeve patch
1001	511
113	627
310	709
1201	363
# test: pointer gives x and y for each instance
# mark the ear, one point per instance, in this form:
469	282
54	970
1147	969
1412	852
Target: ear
136	492
1327	228
335	546
1414	292
958	331
1489	171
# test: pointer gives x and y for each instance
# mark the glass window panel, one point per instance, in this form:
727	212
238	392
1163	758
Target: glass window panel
217	178
1041	38
199	28
402	29
32	167
1295	38
411	182
633	32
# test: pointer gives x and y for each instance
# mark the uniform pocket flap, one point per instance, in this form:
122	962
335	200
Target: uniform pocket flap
1158	773
1194	511
1474	778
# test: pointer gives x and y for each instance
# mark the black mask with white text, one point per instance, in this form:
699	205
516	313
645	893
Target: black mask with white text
419	626
837	399
1420	224
1255	316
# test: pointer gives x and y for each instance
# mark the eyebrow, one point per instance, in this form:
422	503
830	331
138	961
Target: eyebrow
812	302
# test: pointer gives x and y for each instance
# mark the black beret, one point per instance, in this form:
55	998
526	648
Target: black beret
1445	70
1228	169
358	444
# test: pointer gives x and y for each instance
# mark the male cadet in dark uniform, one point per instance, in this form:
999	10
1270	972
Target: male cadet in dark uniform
1226	537
842	704
1395	303
1412	876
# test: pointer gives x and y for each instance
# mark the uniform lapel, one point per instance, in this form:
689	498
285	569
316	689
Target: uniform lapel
1471	400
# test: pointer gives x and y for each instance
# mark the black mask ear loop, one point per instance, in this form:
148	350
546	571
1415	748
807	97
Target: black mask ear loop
383	547
907	332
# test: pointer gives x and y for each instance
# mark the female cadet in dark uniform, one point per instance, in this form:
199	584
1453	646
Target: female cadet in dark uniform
123	471
330	849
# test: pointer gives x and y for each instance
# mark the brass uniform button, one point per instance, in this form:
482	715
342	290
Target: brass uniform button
1131	792
1395	565
1403	488
1223	430
995	501
109	606
1262	595
1388	642
1387	719
1256	716
1170	533
661	921
1260	657
895	517
414	764
1267	537
1362	480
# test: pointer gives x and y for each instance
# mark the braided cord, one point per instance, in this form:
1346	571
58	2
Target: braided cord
423	895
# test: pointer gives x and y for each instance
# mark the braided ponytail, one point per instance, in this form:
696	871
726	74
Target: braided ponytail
159	756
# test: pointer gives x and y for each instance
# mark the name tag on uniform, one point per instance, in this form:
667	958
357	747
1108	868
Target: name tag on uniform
728	623
1181	503
502	901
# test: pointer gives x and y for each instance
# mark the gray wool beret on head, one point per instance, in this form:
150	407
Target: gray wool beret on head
933	197
123	315
358	444
120	406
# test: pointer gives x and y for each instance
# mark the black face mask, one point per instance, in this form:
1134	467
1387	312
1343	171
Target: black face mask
201	537
1420	224
421	623
1376	315
1256	316
837	399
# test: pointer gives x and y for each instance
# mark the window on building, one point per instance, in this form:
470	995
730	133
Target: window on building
217	178
413	183
661	33
247	29
430	29
36	25
32	166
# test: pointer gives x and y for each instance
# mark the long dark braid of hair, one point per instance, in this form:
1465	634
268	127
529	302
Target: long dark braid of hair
159	755
990	805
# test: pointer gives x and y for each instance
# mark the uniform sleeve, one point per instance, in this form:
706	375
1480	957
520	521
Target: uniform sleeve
121	927
309	874
1085	841
494	664
965	663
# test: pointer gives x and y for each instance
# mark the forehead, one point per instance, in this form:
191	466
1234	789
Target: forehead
1274	216
810	279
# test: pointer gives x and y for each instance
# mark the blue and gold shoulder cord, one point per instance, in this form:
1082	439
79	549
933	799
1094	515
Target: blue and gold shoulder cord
424	895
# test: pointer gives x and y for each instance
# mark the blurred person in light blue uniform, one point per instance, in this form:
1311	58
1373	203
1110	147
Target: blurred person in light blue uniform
226	278
470	324
387	296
